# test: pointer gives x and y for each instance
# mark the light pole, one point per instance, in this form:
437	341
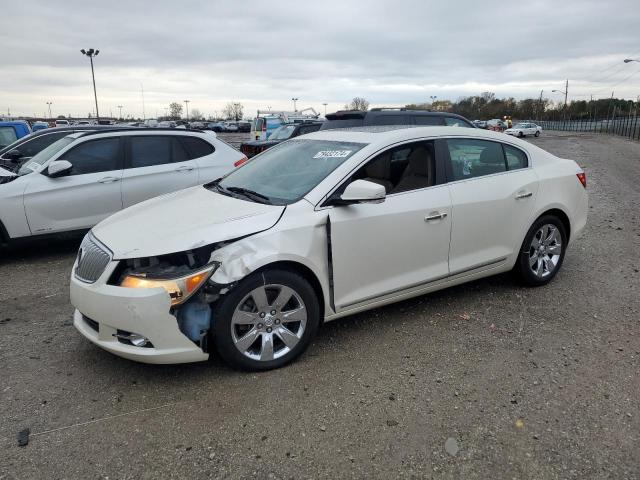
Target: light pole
433	99
294	104
92	53
565	91
325	109
120	114
49	105
186	102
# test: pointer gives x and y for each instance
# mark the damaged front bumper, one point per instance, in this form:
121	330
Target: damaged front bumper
108	315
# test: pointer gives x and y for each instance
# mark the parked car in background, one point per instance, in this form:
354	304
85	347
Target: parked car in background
321	227
62	123
39	126
480	123
244	127
285	132
167	124
496	125
267	121
26	147
12	130
216	127
393	116
84	177
196	125
230	127
523	129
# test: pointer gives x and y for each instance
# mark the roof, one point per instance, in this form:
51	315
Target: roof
388	134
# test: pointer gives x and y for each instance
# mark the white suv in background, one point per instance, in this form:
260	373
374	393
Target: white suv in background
84	177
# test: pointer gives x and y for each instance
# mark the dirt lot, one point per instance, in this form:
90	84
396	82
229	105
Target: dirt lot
526	383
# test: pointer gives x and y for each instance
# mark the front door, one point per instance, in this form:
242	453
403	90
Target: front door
383	248
84	197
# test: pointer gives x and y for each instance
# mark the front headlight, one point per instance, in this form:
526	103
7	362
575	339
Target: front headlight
179	288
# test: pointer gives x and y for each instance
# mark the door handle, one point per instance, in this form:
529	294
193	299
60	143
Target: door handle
184	169
434	216
524	195
108	180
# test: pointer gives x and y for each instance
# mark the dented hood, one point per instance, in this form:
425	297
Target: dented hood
181	221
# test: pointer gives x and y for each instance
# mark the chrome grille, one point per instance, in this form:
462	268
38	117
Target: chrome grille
93	258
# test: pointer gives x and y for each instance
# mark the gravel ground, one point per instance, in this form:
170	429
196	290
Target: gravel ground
485	380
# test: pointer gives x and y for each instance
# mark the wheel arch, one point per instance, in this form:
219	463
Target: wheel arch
4	234
562	216
304	272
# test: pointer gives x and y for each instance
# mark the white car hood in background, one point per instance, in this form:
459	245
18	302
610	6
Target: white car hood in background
181	221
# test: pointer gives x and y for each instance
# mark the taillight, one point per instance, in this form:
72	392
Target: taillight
582	176
242	161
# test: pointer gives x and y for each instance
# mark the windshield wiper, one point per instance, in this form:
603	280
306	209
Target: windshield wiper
250	194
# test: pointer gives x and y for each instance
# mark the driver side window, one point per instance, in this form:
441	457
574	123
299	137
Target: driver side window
401	169
102	155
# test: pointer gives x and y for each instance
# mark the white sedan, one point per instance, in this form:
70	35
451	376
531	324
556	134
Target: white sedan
523	129
317	228
84	177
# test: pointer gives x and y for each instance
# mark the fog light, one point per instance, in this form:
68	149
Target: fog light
134	339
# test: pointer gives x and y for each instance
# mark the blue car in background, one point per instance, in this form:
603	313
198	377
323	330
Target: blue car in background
39	126
12	130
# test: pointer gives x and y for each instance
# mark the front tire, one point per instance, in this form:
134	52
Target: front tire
520	134
537	133
267	320
542	251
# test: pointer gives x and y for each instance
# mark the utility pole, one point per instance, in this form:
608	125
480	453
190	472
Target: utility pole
325	109
120	114
93	53
566	91
186	102
144	117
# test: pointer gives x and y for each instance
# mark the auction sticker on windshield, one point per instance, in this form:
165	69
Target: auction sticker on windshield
332	154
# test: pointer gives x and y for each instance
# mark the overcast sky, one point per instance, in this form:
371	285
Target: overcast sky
263	53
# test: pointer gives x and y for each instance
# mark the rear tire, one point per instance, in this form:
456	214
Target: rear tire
267	320
537	133
542	251
520	134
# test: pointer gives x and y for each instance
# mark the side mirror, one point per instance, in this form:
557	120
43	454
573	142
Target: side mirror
363	191
13	155
59	168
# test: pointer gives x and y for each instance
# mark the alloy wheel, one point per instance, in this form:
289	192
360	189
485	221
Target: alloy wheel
545	250
268	322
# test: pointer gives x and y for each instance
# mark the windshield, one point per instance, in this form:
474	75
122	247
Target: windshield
285	173
282	133
41	157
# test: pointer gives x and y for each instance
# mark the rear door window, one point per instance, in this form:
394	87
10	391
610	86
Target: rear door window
471	158
7	136
427	120
389	120
150	151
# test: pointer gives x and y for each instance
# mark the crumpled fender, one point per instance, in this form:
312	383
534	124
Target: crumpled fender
302	244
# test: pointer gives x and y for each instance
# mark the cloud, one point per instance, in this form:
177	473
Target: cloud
262	54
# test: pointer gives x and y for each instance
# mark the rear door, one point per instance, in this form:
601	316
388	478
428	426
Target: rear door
84	197
156	164
493	192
